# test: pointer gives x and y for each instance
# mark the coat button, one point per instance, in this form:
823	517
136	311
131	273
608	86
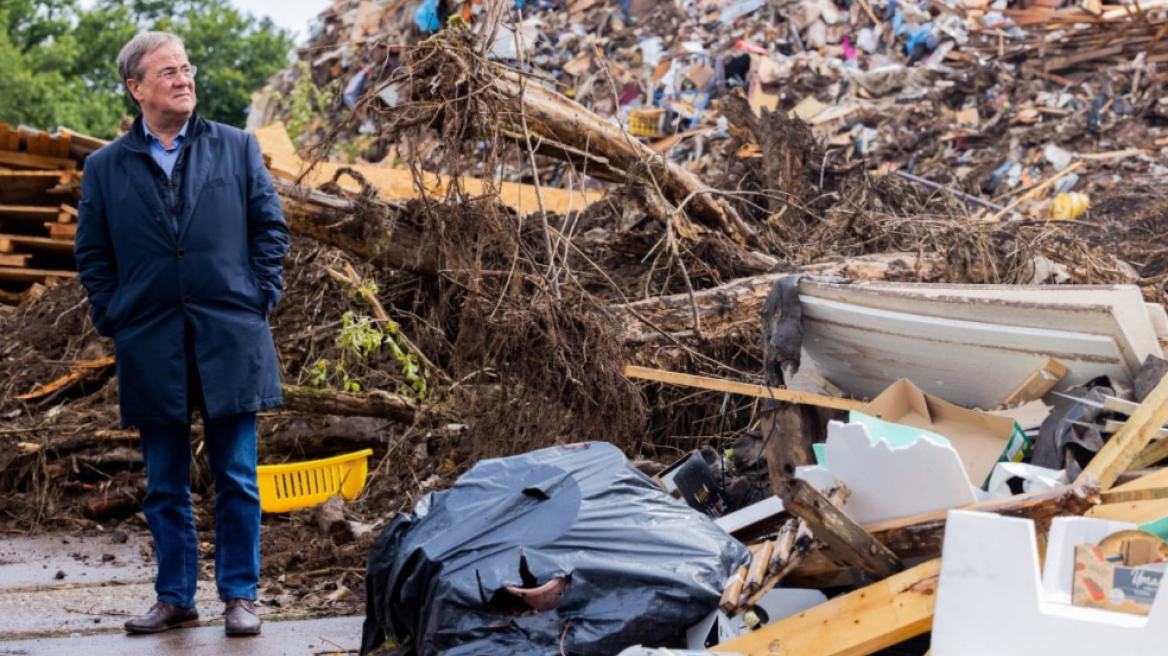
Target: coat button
181	253
186	300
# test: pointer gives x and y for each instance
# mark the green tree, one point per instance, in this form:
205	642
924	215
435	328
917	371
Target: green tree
58	62
236	54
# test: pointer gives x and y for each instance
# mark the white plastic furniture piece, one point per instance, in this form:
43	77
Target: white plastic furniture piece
991	598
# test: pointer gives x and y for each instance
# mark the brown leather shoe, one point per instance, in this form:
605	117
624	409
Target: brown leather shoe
241	618
162	617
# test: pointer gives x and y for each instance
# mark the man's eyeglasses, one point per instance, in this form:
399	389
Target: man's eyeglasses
169	74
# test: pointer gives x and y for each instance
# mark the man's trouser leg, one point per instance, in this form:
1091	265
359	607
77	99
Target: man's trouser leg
230	443
167	506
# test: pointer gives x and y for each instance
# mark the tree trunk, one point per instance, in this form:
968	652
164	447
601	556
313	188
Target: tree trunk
369	229
737	305
376	403
579	135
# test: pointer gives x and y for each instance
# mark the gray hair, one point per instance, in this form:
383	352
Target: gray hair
130	58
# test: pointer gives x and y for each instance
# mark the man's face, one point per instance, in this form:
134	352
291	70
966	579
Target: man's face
165	92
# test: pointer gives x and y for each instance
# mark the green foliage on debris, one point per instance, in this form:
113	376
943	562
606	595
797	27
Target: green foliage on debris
58	59
306	101
361	336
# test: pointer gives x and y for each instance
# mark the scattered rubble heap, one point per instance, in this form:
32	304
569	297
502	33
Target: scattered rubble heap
504	227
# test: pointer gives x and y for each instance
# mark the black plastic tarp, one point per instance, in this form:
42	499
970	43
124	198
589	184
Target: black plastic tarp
642	566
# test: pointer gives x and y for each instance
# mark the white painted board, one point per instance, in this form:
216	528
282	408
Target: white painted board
973	364
888	482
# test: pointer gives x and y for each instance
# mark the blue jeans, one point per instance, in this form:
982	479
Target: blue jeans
230	444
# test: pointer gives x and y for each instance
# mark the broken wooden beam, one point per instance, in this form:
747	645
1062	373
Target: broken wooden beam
746	389
1138	501
1126	449
922	535
863	622
846	541
793	545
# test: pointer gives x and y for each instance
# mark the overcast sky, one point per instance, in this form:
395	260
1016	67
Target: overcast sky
292	15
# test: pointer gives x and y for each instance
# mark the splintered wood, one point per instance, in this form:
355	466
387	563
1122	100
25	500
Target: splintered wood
1129	448
862	622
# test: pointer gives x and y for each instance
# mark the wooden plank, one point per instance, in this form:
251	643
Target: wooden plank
1037	385
62	231
1136	512
5	130
1129	496
28	187
29	213
14	260
846	541
67	214
63	142
857	624
1125	449
10	244
27	161
81	144
32	275
745	389
1155	479
1154	453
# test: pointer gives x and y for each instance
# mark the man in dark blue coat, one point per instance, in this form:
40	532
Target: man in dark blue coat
179	244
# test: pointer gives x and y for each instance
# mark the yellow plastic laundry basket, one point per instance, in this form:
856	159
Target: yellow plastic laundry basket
646	123
296	485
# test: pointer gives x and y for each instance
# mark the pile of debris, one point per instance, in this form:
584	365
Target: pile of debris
489	256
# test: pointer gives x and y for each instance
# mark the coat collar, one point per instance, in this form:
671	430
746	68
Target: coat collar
135	140
200	143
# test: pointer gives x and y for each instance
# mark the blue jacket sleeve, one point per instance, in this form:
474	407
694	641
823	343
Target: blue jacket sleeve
94	252
267	231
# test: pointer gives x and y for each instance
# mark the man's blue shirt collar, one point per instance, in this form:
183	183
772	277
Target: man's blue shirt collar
178	138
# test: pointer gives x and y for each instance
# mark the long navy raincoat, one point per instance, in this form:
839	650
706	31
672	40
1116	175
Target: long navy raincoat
217	272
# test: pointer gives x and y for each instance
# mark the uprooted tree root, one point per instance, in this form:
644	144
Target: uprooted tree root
533	354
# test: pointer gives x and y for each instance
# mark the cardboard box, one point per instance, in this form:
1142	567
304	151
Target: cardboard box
1126	583
982	440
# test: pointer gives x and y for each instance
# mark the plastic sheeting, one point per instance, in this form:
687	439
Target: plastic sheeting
642	566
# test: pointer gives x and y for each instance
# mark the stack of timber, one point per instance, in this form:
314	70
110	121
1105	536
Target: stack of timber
40	183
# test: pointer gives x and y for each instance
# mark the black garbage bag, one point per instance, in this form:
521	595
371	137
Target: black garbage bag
641	567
